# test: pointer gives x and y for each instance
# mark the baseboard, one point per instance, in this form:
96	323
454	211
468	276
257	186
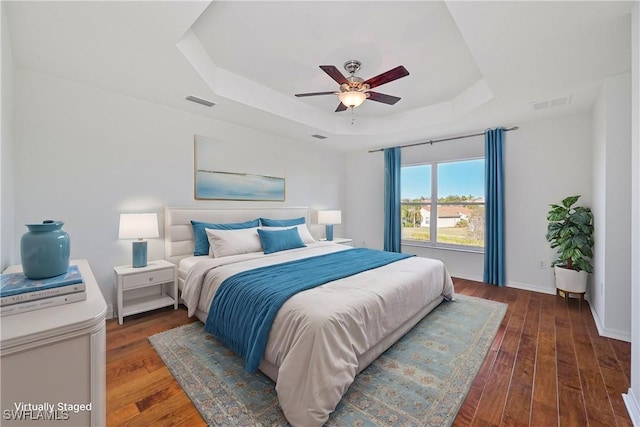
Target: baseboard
111	314
532	288
473	278
608	332
633	407
516	285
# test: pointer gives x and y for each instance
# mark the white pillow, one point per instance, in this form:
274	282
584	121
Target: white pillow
233	242
303	231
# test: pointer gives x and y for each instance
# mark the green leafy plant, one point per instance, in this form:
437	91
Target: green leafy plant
570	231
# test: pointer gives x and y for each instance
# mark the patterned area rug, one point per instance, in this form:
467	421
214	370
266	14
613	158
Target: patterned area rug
421	381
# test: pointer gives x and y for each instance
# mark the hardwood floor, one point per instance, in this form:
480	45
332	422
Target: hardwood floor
547	366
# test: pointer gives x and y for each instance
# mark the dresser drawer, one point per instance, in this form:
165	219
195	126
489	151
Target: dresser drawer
142	279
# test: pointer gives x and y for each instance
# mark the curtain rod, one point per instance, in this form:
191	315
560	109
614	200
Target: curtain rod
432	141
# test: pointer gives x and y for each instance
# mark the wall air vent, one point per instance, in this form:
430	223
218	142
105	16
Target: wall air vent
315	135
200	101
550	103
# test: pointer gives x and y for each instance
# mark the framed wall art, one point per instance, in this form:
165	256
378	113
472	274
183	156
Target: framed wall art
215	179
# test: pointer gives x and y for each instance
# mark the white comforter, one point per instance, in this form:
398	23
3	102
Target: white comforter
319	335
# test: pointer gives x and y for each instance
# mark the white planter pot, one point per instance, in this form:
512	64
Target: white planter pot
570	280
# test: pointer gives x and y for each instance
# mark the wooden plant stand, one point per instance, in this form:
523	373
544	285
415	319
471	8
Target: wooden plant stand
567	294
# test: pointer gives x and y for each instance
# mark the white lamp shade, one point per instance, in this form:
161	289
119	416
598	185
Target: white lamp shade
138	226
329	217
352	98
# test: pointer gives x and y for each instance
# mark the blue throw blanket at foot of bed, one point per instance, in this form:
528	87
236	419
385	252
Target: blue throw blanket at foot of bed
245	304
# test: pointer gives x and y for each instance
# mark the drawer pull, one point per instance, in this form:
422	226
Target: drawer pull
151	279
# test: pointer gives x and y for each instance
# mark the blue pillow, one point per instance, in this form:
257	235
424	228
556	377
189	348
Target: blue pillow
280	240
200	235
266	222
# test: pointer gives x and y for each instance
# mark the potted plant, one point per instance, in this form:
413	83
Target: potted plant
570	232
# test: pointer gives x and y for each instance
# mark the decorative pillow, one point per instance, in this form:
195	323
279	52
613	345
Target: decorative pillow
233	242
201	239
266	222
303	231
280	240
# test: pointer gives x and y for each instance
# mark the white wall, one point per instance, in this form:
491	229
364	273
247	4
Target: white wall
632	398
611	285
545	161
84	155
596	291
364	190
7	201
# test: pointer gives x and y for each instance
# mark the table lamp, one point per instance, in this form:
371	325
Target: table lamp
329	218
138	226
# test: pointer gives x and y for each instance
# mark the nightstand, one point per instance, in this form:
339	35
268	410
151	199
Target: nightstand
159	274
343	241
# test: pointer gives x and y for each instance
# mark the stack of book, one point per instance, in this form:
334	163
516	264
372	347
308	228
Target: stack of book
18	294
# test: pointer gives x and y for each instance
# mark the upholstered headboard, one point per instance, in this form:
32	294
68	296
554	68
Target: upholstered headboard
178	233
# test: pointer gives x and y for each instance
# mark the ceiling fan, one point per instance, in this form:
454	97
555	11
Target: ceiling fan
354	90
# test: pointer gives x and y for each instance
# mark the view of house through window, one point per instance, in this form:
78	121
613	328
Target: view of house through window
443	203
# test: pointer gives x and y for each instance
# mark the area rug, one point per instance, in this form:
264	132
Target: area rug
420	381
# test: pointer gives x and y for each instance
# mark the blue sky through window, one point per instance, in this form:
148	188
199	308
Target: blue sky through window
454	178
415	182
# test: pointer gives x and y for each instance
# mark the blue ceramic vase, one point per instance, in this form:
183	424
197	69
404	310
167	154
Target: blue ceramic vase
44	250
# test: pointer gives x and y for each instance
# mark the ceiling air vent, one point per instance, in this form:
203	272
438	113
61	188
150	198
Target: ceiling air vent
563	100
540	105
550	103
199	101
315	135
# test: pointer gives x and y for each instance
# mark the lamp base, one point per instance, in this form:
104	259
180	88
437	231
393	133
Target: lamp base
139	254
329	231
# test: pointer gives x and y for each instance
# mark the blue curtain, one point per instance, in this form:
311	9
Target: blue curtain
392	230
494	199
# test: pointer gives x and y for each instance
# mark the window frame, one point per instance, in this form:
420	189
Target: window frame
433	225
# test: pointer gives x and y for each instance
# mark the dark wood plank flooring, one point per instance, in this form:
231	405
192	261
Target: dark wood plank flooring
547	366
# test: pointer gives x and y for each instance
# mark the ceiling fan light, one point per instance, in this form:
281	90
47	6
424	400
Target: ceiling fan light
352	98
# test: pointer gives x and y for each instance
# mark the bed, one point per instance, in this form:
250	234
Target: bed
321	337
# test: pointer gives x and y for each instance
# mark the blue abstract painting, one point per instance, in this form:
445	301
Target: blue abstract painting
235	170
238	186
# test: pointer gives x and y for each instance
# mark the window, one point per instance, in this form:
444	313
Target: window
443	204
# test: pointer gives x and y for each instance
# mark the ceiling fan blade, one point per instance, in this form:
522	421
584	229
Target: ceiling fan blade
315	93
387	77
334	73
381	97
341	107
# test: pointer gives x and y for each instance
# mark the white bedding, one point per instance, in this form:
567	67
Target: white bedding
185	265
321	338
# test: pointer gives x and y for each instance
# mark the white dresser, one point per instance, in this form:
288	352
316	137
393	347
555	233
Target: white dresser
55	356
